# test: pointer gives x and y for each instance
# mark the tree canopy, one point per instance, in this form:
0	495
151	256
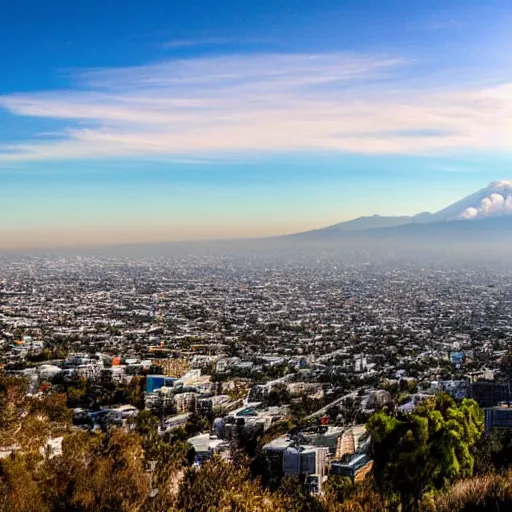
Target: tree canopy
427	449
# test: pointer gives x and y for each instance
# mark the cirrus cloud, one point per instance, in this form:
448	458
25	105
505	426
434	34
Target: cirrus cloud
266	102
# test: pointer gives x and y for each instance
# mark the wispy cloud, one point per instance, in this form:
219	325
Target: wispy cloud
211	41
189	43
269	102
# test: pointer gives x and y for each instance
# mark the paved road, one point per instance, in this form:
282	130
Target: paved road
323	410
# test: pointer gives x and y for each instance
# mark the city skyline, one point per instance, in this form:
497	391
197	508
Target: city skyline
127	123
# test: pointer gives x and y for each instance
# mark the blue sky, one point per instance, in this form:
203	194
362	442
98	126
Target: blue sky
169	120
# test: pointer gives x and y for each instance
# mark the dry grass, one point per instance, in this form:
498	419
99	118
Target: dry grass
489	493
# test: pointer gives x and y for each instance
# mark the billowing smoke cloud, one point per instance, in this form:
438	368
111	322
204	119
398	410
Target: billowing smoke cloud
494	204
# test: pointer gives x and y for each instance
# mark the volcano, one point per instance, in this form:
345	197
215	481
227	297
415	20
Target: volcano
485	214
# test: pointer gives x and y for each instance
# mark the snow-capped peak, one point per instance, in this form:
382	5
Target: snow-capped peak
500	184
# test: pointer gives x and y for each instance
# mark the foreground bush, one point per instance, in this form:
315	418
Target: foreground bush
220	486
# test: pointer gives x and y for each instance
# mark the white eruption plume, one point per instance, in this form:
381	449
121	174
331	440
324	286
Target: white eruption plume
494	204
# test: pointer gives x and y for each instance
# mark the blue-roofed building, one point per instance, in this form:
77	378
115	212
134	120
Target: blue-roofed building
457	358
154	382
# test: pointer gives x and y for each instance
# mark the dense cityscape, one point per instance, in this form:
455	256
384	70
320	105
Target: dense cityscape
279	357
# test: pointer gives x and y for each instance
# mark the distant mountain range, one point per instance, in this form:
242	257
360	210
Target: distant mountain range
486	213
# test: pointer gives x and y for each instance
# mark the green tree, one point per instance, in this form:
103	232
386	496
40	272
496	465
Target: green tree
427	449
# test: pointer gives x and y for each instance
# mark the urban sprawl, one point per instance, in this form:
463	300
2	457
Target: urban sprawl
299	348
